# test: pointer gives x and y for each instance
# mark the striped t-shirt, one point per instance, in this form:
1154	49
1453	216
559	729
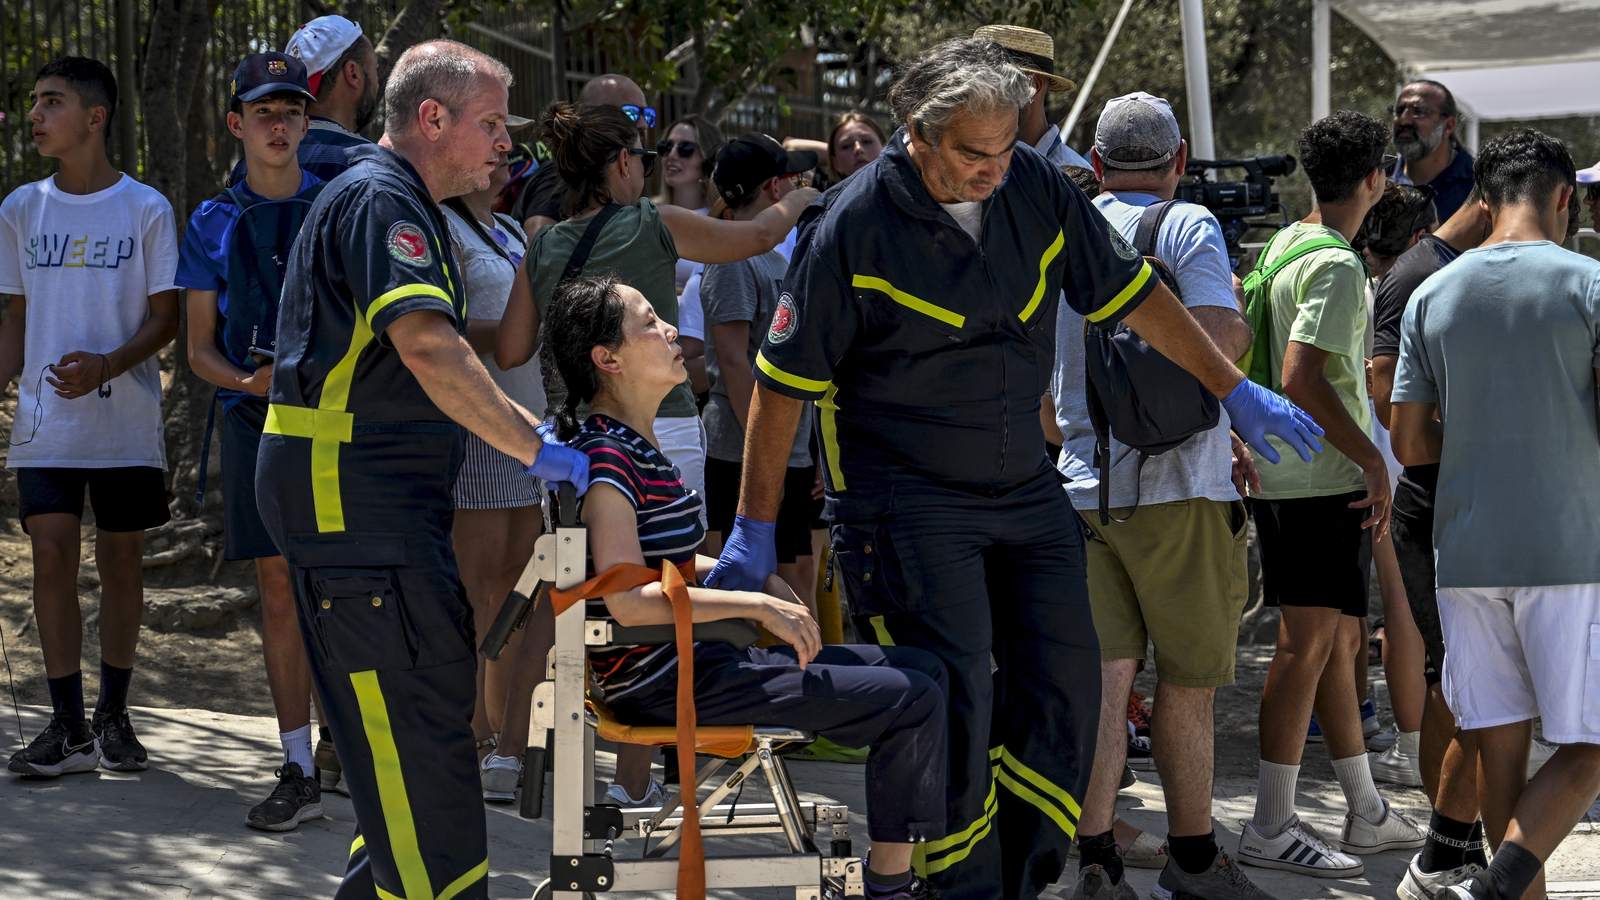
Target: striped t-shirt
668	519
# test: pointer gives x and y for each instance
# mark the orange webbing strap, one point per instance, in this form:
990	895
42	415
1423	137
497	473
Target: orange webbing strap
675	584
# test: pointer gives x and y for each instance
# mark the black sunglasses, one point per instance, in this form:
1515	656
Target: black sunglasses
1389	160
685	149
634	112
648	157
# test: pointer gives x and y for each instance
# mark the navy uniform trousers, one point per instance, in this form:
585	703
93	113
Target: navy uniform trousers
974	578
388	631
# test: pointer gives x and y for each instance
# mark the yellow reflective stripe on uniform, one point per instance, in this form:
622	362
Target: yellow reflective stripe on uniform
473	876
1121	300
300	421
882	631
904	299
1044	263
391	786
401	293
782	377
357	844
954	848
828	412
1065	811
385	895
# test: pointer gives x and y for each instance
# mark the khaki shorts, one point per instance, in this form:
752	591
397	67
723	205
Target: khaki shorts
1174	574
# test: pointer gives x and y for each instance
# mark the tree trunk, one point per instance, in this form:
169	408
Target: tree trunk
558	48
406	30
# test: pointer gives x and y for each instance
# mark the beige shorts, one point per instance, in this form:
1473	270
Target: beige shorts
1174	574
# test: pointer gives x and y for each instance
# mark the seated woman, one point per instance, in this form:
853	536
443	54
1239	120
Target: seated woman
617	356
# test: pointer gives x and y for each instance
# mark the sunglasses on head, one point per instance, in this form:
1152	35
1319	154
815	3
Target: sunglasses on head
1591	192
634	112
648	157
685	148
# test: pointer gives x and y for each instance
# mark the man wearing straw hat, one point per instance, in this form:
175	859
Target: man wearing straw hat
1034	52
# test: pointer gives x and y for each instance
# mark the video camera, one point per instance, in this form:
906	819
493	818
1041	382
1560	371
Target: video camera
1235	202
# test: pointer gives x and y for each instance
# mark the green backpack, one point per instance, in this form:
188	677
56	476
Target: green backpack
1257	361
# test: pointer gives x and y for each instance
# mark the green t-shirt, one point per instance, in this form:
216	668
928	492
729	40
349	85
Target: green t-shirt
637	248
1319	299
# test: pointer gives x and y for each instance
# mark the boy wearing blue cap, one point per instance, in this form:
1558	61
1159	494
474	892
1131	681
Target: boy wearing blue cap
234	253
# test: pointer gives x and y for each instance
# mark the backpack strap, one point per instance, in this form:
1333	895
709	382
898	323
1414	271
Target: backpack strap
1144	239
235	198
1301	249
580	253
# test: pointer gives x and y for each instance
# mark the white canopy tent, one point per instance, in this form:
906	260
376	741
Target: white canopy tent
1503	59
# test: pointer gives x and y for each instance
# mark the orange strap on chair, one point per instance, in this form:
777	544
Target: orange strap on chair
675	584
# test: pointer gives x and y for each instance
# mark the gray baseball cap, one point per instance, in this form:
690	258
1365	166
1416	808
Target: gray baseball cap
1137	131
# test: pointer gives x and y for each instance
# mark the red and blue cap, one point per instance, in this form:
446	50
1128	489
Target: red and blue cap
260	74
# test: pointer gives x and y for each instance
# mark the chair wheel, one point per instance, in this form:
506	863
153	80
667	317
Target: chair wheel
842	849
544	892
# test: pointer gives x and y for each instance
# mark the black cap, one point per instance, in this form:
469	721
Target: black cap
746	163
260	74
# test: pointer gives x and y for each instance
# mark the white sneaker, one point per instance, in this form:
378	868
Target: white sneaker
1420	885
654	795
1538	755
1395	831
500	775
1299	848
1395	766
1383	740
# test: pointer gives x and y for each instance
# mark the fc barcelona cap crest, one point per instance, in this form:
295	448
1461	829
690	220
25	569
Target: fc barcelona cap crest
260	74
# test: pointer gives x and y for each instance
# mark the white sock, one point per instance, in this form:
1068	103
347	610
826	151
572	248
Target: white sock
1355	777
1410	743
1274	797
297	748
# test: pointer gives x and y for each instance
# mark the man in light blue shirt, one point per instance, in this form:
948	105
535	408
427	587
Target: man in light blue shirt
1504	346
1170	566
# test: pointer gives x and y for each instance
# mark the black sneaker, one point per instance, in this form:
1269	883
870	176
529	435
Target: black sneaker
62	748
296	799
1223	881
120	750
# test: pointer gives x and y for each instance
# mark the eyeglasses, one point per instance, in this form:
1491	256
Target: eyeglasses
634	112
685	149
1417	110
1388	163
648	157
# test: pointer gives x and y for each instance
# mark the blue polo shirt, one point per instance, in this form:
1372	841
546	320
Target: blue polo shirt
926	348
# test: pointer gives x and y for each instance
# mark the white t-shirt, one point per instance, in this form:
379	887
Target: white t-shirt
87	265
969	216
488	277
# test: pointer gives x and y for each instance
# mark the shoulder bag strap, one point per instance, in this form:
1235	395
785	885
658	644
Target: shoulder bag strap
1144	240
460	209
580	253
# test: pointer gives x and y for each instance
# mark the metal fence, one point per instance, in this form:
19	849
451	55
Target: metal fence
33	32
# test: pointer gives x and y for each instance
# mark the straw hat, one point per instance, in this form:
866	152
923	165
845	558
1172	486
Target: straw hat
1032	51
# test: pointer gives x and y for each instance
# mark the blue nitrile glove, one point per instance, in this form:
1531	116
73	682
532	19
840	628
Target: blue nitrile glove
558	462
749	555
1257	412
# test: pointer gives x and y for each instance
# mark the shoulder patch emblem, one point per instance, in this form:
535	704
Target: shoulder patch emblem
409	245
785	319
1121	246
277	67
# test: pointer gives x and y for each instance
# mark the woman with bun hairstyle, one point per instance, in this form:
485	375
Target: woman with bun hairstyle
598	153
619	360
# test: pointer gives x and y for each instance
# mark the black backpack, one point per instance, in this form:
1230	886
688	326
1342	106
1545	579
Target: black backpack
1138	396
258	257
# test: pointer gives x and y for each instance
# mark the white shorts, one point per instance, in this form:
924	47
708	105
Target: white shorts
683	443
1515	653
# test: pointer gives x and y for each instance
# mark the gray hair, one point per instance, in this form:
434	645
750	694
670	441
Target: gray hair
442	70
961	75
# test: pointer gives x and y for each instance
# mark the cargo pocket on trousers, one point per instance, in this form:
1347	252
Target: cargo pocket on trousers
359	618
1591	683
870	573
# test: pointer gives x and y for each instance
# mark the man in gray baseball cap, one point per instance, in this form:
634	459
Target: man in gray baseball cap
1173	574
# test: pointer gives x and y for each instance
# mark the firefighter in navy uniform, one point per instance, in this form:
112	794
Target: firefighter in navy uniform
356	466
919	314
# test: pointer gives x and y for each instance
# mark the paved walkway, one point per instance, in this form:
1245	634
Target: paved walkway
177	830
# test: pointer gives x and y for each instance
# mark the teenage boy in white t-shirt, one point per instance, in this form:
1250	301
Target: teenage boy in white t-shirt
88	257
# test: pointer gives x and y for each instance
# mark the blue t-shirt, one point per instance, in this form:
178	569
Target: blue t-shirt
322	151
203	259
1191	245
1505	341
